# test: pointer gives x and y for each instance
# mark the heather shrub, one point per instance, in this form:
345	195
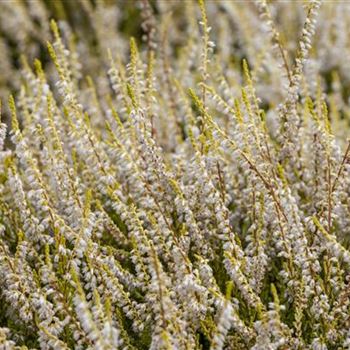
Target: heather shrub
174	175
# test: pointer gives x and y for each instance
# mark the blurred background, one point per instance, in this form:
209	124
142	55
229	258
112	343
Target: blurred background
90	27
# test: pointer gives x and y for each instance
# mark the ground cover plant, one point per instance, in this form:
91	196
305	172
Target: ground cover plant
174	175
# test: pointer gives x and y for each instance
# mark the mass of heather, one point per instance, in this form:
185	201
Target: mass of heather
174	175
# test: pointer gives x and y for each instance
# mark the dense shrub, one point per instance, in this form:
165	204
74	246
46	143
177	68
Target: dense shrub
168	186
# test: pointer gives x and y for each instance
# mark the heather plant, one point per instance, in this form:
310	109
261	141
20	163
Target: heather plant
174	175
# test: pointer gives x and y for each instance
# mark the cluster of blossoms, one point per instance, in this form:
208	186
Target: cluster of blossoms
184	188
